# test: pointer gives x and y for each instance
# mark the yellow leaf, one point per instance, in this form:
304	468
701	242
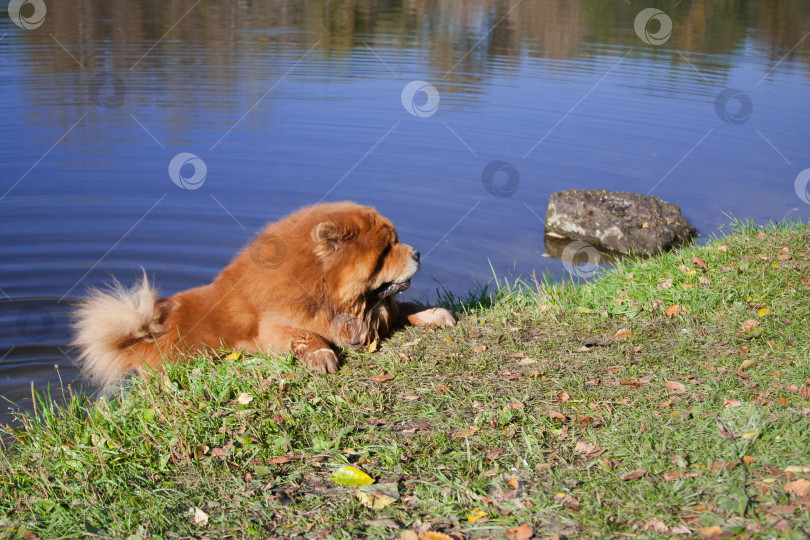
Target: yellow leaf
449	340
351	476
244	398
763	311
477	514
372	347
749	434
235	355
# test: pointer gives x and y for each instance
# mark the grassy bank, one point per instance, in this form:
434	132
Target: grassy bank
668	397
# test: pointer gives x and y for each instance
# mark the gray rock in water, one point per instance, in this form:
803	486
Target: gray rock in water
619	221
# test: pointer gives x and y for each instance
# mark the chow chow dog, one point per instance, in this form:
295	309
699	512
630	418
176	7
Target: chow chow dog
322	278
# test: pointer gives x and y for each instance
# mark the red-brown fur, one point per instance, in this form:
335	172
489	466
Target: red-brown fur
316	279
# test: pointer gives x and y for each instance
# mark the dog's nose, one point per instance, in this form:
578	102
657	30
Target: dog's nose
416	256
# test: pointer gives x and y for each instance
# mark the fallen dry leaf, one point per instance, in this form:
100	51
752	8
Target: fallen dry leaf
656	525
798	469
563	396
480	348
477	514
524	532
799	488
622	333
434	535
280	460
700	262
749	324
567	500
675	387
244	398
527	361
590	450
465	433
748	460
635	475
200	517
665	284
726	434
722	249
556	415
674	310
732	403
711	532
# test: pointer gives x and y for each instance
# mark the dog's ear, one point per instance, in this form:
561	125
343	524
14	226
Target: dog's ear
328	237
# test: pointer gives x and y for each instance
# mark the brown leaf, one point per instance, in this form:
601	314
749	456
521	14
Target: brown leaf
656	525
671	476
556	415
382	378
665	284
718	466
567	500
480	348
516	355
726	434
732	403
527	362
635	475
442	389
563	396
622	333
783	508
513	483
722	249
804	392
700	262
674	310
704	280
675	387
524	532
465	433
748	460
590	450
711	532
280	460
434	535
799	488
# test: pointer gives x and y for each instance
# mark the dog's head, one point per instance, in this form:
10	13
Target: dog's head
361	254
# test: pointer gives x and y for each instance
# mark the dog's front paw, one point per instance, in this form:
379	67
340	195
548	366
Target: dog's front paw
322	361
433	318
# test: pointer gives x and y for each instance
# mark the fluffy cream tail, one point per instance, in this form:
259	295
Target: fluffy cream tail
108	323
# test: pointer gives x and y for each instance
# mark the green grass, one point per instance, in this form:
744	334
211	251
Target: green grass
490	419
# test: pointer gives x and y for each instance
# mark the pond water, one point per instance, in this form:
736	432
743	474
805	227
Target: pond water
163	134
